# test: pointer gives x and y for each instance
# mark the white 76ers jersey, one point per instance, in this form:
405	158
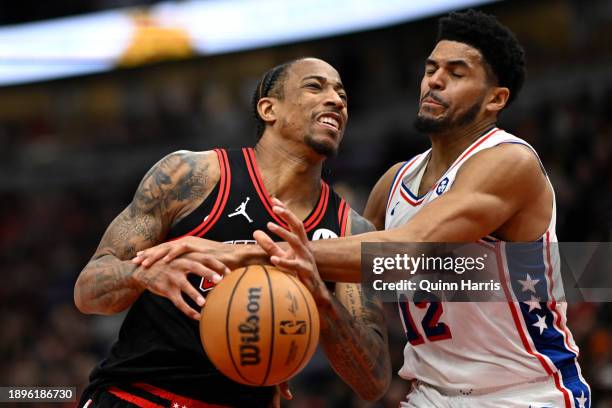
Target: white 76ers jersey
480	345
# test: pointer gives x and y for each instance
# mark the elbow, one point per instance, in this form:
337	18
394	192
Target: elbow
79	302
82	296
375	393
386	382
383	379
379	385
81	308
89	305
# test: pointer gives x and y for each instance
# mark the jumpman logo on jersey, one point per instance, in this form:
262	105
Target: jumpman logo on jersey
241	210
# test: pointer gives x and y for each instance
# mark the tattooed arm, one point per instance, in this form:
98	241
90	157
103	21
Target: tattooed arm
175	186
353	331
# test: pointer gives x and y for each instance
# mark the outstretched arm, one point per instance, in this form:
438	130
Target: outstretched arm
353	330
500	190
110	283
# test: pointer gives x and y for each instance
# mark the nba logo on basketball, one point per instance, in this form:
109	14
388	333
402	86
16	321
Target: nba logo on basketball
293	327
442	186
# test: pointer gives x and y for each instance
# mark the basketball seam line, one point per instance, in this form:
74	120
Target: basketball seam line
309	320
272	326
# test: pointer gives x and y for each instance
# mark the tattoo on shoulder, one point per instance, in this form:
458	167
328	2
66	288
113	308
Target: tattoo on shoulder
176	180
359	224
179	177
192	179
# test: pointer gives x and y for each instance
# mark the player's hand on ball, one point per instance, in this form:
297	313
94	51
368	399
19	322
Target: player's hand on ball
298	258
170	279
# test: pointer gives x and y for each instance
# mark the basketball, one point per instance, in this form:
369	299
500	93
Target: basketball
259	326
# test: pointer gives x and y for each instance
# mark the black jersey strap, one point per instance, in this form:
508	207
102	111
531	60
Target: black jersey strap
315	216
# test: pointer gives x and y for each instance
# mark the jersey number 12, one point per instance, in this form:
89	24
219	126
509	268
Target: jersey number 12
433	329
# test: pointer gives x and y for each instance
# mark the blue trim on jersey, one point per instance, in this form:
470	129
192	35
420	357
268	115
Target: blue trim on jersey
528	259
570	378
526	263
413	196
395	179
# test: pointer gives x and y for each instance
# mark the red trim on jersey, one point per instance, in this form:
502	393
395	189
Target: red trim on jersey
340	210
319	212
219	206
489	245
175	398
133	399
553	302
311	221
410	201
471	149
515	316
263	195
398	180
566	396
226	192
343	213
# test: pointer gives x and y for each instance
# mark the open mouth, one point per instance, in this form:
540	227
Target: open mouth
330	120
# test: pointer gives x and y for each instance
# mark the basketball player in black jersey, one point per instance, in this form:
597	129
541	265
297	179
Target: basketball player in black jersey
225	195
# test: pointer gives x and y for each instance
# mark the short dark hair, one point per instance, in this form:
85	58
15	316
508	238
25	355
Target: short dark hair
497	44
269	85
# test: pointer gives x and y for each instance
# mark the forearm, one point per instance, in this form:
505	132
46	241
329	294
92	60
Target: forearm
106	286
339	260
356	351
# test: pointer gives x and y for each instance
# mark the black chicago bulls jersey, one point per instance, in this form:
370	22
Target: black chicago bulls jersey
157	343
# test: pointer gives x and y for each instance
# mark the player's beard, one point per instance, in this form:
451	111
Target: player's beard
436	125
325	149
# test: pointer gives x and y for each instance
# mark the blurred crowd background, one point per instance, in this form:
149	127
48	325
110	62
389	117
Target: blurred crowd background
73	151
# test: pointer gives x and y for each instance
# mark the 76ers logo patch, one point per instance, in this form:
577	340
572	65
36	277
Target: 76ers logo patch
442	186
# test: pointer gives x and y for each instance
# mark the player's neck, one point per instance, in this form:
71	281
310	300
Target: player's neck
289	175
447	146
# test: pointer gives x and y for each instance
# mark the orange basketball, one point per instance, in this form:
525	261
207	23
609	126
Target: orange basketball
259	326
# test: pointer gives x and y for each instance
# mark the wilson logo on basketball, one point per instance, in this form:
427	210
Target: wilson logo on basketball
249	341
292	327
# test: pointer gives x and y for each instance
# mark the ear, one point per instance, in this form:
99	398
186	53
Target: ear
498	97
265	108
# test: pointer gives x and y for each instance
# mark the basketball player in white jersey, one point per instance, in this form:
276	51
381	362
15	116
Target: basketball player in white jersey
476	183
